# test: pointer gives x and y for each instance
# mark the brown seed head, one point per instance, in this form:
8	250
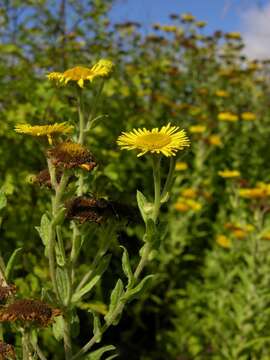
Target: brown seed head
26	310
43	178
72	155
6	291
6	351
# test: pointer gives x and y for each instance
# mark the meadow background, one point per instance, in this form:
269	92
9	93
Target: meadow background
211	297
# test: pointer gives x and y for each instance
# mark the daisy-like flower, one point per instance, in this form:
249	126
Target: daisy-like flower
44	130
80	74
167	141
229	174
223	241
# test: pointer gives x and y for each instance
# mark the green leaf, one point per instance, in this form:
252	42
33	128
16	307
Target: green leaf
62	283
137	290
3	199
97	327
11	263
150	230
44	231
97	354
58	328
98	273
116	295
127	267
145	207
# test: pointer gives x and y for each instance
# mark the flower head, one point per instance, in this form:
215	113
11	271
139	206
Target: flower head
80	74
223	241
6	291
33	311
181	166
248	116
6	351
44	130
229	174
227	116
168	140
71	155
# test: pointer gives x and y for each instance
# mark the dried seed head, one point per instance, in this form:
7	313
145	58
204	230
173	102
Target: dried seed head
71	155
97	210
6	291
26	310
87	209
43	178
6	351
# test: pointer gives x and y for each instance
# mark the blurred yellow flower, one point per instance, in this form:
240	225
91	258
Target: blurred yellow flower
189	193
44	130
167	141
187	17
229	174
181	166
222	93
262	190
201	24
186	204
80	74
227	116
197	129
215	140
233	36
248	116
223	241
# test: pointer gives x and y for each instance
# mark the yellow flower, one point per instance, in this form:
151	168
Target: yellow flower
197	129
248	116
233	36
80	74
168	140
215	140
262	190
222	93
184	205
228	174
227	116
187	17
189	193
44	130
181	166
223	241
201	24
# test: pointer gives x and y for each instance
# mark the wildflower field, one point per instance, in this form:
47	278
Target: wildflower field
134	188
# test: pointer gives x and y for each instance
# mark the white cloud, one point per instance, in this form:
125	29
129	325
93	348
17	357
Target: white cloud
255	26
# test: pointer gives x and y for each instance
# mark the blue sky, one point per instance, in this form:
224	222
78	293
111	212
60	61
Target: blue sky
220	14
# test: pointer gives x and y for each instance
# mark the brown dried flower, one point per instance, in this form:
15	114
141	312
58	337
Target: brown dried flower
6	291
87	209
26	310
97	210
43	178
6	351
71	155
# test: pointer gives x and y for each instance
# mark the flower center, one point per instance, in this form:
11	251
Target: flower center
77	73
153	141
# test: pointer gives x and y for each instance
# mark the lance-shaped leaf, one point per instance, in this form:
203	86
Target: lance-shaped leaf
44	231
115	300
97	354
97	327
104	262
58	328
137	290
62	283
12	262
127	267
144	206
3	199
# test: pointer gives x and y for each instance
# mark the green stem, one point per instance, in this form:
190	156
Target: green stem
169	179
156	175
26	346
81	118
67	340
